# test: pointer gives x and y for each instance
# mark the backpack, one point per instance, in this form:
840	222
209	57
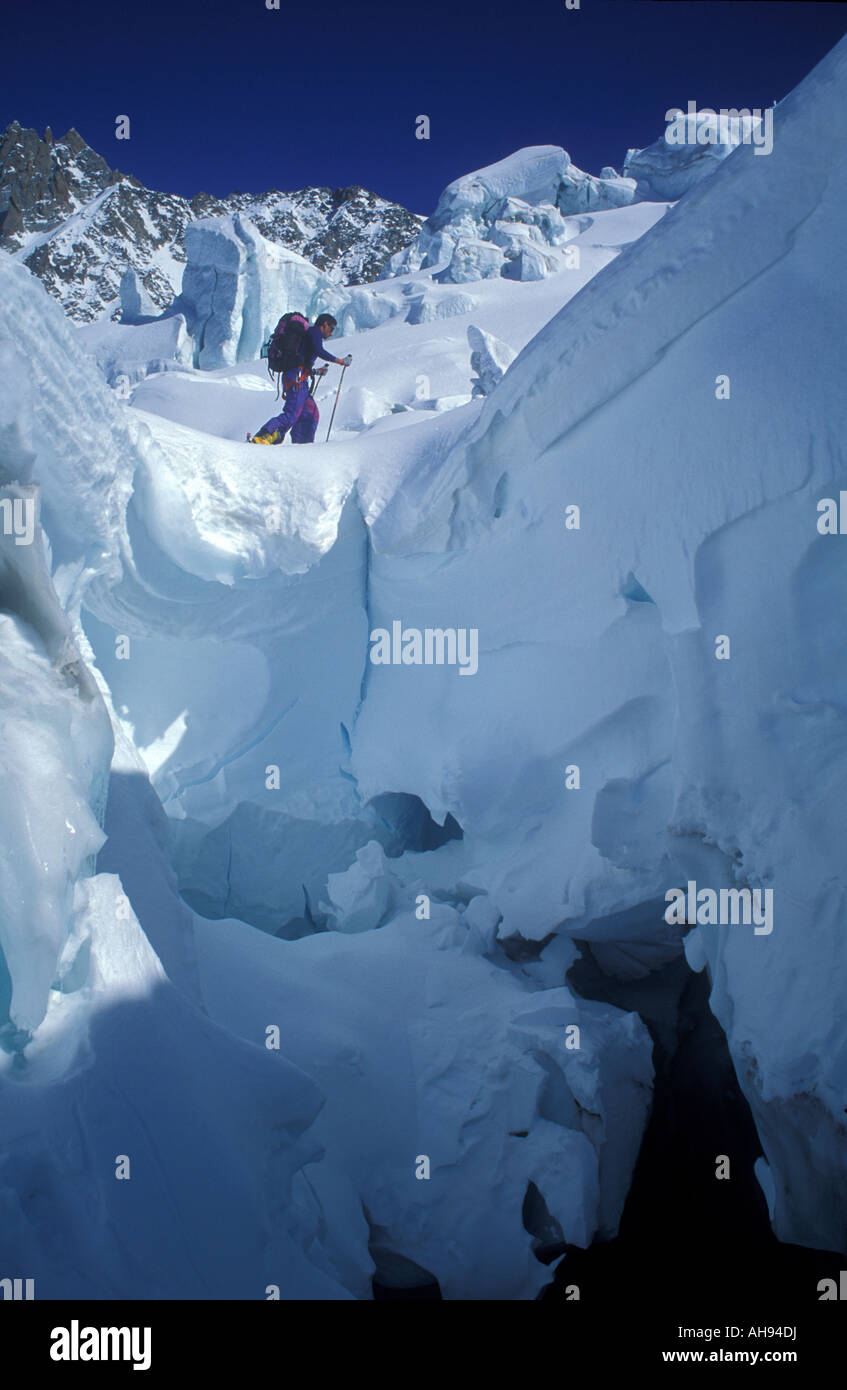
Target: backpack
286	343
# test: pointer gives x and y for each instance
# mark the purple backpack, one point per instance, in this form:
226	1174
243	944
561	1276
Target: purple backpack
285	349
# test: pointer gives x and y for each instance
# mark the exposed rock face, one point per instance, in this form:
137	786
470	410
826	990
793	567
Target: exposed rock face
43	181
347	232
80	225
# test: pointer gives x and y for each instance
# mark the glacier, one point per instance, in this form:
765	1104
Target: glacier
305	921
237	285
510	220
515	219
690	149
83	1012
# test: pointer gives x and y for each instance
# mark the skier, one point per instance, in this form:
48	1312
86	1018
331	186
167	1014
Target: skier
300	414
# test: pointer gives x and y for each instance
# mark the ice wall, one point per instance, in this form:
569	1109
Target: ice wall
57	744
690	148
512	218
507	219
697	466
106	1064
237	285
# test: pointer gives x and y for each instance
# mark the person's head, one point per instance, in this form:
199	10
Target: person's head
327	324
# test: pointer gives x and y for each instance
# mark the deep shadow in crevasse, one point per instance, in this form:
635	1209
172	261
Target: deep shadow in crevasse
688	1241
408	825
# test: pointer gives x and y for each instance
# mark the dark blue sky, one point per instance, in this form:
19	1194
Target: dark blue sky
226	95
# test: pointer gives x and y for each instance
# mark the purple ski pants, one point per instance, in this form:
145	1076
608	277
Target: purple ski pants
300	413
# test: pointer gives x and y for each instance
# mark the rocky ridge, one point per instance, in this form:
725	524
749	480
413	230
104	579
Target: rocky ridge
79	225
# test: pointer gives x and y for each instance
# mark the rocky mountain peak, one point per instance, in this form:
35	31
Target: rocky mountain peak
43	181
79	243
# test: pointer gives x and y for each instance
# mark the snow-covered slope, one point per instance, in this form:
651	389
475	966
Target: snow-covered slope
412	850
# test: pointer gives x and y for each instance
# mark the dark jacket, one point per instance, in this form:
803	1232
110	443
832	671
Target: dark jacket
313	347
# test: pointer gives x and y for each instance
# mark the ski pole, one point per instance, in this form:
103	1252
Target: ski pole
335	407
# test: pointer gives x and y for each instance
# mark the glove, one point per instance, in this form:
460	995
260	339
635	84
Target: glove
347	360
321	371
